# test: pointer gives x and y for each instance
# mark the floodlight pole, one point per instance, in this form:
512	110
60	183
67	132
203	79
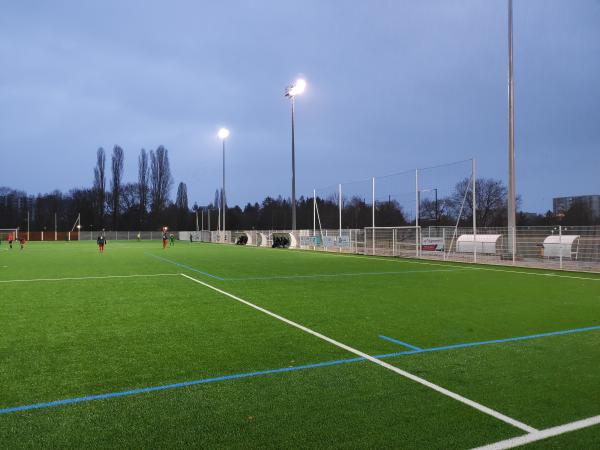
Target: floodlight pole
224	207
512	214
293	99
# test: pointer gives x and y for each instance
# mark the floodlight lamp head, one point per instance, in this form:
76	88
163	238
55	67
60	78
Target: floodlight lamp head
223	133
297	88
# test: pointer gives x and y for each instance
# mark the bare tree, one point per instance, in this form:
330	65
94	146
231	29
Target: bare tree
161	180
143	184
217	201
182	199
100	184
118	157
181	203
491	201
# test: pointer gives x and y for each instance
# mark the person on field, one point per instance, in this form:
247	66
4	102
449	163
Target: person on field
10	239
172	240
22	242
165	238
139	236
101	241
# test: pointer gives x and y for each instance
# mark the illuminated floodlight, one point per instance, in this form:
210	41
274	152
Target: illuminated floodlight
297	88
223	133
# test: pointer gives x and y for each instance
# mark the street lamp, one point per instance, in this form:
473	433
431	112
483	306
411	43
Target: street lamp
223	135
291	91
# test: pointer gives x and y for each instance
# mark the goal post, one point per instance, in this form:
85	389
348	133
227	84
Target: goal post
403	241
6	232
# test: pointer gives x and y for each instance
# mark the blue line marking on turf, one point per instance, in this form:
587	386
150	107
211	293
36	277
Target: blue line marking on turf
174	386
280	370
495	341
187	267
501	341
395	341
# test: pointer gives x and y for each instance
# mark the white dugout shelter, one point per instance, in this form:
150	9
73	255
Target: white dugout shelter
561	246
482	243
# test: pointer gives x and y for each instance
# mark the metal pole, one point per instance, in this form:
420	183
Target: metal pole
27	225
208	215
55	228
417	201
474	189
373	221
436	207
512	215
340	206
293	165
314	212
560	246
223	190
197	228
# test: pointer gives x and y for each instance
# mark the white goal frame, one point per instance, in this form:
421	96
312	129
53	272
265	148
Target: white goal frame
391	241
4	232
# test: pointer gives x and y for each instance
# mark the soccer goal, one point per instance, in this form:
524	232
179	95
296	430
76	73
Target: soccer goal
392	241
5	233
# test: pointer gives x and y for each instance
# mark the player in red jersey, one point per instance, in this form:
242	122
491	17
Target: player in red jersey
22	242
101	241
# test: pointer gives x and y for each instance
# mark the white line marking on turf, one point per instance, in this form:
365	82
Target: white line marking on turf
408	375
90	278
542	434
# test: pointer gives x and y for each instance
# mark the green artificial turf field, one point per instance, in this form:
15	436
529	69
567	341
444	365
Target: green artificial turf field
121	350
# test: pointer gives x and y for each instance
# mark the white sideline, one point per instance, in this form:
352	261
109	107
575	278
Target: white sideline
89	278
542	434
435	387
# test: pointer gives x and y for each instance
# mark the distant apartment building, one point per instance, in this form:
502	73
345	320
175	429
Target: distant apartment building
562	204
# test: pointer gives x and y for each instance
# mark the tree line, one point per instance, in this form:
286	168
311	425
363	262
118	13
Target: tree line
146	204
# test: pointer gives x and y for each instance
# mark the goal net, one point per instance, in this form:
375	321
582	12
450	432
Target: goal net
392	241
6	233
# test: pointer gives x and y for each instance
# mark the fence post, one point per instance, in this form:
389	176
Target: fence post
393	242
444	240
514	244
560	250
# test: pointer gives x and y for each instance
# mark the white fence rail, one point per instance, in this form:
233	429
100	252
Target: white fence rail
552	247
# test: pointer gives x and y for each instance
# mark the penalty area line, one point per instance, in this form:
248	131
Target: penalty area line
542	434
90	278
410	376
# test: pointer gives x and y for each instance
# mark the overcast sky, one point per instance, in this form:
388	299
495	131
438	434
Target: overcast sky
392	85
